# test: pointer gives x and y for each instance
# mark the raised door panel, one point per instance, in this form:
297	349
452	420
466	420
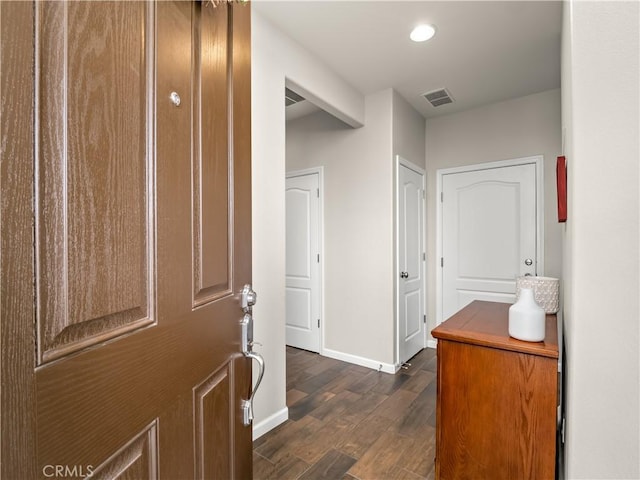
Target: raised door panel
94	244
212	401
412	252
298	306
137	460
211	161
488	227
298	223
412	317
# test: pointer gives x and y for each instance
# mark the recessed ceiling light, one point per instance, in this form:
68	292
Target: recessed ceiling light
422	33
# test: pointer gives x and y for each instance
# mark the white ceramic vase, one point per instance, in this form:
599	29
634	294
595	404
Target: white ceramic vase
527	318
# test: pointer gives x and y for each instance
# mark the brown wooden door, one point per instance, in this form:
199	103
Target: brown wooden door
125	239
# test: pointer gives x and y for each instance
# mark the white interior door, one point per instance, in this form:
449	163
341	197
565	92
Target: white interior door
489	234
303	261
411	311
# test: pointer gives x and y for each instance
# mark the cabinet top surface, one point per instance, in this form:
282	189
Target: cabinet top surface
487	324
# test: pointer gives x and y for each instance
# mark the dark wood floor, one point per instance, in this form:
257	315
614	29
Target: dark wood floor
350	422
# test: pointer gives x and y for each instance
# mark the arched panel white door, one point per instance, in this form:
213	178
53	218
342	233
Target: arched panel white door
410	274
489	234
303	261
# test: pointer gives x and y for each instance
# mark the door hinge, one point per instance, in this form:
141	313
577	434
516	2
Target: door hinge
441	197
318	192
424	256
318	323
442	261
318	258
424	319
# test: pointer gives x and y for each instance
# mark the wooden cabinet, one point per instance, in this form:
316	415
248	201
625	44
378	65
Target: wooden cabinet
497	398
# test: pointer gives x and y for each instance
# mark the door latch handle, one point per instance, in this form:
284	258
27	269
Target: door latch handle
247	333
247	342
247	300
404	274
247	405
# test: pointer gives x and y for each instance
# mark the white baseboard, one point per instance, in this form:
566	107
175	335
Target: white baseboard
362	361
270	423
432	344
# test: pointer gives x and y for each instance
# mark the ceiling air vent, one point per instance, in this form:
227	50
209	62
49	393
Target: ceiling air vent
438	97
291	97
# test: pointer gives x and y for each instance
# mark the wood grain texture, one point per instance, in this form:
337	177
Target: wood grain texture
96	192
346	429
241	101
212	401
240	20
482	323
282	441
17	295
394	406
496	407
107	164
364	435
94	239
332	465
309	404
211	162
290	467
137	460
332	432
171	461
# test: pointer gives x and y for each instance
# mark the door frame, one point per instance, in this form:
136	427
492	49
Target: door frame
538	162
400	161
320	172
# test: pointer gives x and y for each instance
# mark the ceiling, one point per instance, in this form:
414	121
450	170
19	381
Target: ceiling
483	52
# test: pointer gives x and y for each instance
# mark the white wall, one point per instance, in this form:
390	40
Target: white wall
408	132
358	202
274	58
358	260
515	128
600	70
